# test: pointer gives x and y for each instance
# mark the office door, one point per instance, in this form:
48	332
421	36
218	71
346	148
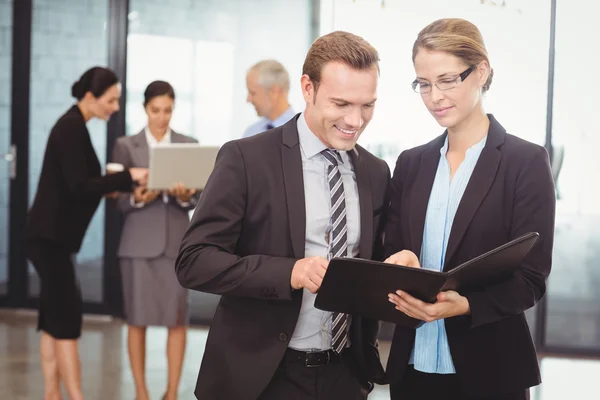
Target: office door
7	152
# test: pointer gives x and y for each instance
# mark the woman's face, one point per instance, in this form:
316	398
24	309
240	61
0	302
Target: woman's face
451	106
106	105
159	110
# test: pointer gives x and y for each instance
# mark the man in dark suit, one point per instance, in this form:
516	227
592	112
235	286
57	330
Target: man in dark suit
276	208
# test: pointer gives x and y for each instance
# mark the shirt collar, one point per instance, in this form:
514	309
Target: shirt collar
309	142
152	140
476	148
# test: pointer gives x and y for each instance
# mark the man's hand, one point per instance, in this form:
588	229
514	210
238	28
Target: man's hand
405	257
308	273
181	192
448	304
144	195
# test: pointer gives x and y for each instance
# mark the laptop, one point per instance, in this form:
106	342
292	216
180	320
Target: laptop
188	163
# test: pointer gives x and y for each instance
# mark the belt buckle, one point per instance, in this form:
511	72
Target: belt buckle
319	362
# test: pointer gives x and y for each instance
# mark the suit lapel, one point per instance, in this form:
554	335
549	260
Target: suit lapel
363	182
176	137
291	161
478	187
419	201
141	152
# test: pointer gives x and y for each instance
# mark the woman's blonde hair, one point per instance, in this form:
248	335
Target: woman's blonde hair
455	36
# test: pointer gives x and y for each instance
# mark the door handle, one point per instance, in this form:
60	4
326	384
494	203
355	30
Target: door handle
11	157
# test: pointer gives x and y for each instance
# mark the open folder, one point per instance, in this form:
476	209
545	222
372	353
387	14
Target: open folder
357	286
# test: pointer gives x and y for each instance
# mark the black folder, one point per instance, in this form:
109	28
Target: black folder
358	286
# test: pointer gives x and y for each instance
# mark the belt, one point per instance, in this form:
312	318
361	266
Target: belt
311	359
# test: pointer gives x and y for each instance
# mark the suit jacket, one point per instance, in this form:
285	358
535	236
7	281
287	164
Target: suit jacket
71	184
156	228
246	234
510	192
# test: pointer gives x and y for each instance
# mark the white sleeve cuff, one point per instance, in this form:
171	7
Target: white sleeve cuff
182	203
134	204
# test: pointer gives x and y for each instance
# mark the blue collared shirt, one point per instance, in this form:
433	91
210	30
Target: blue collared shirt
261	124
313	328
431	352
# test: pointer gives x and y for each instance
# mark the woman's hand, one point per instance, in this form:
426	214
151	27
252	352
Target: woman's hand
144	195
449	304
181	192
406	258
139	175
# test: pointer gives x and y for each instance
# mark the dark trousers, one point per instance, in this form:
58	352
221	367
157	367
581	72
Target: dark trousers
336	380
416	385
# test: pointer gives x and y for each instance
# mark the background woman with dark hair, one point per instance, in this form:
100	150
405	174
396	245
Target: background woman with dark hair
69	191
155	222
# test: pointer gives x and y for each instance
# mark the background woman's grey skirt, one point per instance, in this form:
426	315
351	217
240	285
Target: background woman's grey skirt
152	294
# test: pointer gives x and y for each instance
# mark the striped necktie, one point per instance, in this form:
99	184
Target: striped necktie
338	246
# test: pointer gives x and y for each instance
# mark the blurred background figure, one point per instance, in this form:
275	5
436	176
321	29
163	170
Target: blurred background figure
69	191
268	85
155	221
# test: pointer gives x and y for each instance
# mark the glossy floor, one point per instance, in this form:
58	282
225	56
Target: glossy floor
106	371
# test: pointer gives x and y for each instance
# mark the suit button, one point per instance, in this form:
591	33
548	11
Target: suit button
283	336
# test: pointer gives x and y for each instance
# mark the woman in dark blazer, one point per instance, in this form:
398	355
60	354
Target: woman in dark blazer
154	224
470	190
69	191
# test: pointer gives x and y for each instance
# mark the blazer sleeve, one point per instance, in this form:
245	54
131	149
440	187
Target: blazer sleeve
378	249
392	237
372	368
207	261
533	211
121	155
69	145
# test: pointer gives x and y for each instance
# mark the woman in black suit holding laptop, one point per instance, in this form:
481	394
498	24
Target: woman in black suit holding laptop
466	192
69	191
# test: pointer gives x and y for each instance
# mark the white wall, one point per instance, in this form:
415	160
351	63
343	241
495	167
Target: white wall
204	49
516	37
